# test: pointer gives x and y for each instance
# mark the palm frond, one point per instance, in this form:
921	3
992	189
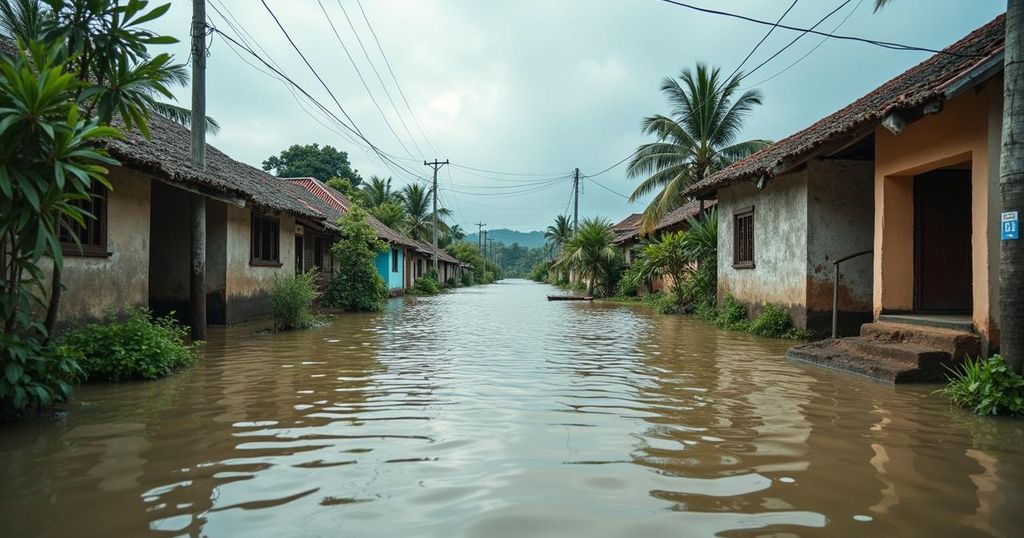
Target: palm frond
181	115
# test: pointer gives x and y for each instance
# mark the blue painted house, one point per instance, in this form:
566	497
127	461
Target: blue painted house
391	262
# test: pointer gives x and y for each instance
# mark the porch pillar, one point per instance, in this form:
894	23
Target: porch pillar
197	280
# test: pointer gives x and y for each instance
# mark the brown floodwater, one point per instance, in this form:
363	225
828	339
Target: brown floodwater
491	412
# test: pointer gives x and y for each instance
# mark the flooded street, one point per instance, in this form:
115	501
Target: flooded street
489	411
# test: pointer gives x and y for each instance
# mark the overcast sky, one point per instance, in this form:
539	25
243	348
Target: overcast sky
537	87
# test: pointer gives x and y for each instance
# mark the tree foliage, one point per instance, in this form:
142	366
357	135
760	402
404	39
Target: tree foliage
311	160
590	251
696	139
78	66
357	286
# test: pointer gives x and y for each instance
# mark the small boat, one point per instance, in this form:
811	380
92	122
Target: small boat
570	298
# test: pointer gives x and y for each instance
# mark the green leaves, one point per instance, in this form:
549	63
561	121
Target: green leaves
986	387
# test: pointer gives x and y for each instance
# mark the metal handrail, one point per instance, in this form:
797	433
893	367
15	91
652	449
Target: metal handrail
835	288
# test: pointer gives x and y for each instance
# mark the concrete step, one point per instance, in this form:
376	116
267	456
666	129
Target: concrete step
954	323
891	363
913	355
958	344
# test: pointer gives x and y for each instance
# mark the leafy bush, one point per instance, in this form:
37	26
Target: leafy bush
539	272
426	285
667	304
732	315
773	322
35	375
986	386
698	293
291	300
357	286
452	282
467	279
141	346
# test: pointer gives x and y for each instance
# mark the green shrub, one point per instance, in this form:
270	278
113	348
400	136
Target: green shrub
140	347
539	271
699	291
732	315
357	286
986	386
467	278
452	282
35	375
291	300
667	304
773	322
426	285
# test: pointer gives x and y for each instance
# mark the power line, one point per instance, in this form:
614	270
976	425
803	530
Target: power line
395	78
820	43
606	188
379	78
763	39
361	79
878	43
797	38
503	173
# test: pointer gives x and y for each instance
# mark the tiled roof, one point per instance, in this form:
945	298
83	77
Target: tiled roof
674	219
340	204
924	83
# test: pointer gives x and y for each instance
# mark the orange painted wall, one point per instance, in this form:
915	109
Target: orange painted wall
961	132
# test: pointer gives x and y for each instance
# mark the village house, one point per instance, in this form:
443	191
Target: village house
391	262
137	252
905	180
628	235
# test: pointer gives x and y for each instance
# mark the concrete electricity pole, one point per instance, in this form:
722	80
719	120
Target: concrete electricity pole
436	165
480	236
197	280
576	200
1011	183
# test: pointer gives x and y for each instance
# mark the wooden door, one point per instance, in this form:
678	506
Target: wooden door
942	241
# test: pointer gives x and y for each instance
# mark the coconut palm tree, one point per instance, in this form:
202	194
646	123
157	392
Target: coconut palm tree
419	222
559	232
378	192
696	139
589	250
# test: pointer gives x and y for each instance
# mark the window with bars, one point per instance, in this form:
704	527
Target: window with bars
743	238
266	241
92	236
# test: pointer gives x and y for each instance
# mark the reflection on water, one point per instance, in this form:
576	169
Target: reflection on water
492	412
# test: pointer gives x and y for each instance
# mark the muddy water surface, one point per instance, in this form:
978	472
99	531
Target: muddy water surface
492	412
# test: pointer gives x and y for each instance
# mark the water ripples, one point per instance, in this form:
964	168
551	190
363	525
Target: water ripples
492	412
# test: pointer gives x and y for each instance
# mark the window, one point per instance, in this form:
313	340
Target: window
743	238
394	260
419	268
92	237
266	241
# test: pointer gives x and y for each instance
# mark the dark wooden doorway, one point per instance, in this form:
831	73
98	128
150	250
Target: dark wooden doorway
300	251
942	241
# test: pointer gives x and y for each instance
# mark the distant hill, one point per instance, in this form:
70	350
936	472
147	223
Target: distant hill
503	235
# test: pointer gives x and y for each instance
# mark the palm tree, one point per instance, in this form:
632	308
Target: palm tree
559	232
378	192
419	223
589	250
696	140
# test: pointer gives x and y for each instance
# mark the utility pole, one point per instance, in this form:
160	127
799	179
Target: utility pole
1011	183
480	236
436	165
490	247
576	200
197	276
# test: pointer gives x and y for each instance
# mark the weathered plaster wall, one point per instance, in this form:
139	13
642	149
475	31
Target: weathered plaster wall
216	262
95	284
840	216
247	286
959	133
780	245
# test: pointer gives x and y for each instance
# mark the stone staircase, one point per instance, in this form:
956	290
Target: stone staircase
895	349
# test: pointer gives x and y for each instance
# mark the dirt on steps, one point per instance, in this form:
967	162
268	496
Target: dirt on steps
957	344
890	363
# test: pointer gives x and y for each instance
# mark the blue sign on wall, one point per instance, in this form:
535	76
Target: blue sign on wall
1010	225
